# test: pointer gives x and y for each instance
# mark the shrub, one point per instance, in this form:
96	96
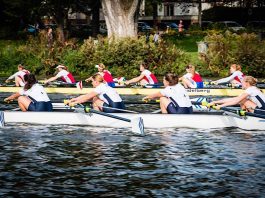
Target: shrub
245	49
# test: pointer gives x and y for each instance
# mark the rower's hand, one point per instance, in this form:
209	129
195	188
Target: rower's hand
146	99
210	105
8	100
126	82
7	81
214	83
89	79
217	107
46	82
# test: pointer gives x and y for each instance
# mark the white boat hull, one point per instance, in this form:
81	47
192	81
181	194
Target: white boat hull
198	121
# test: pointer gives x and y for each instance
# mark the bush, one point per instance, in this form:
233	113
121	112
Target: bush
122	57
245	49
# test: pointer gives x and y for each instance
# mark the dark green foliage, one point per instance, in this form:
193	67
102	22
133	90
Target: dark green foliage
121	57
245	49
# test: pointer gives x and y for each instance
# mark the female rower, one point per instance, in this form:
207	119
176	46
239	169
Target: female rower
252	100
145	78
192	79
63	74
235	78
173	99
103	96
32	97
105	74
19	76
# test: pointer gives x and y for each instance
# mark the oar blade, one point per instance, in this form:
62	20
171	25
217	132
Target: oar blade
2	119
137	125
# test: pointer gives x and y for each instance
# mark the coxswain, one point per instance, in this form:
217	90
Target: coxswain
105	74
251	100
63	75
19	76
32	97
192	79
235	78
174	98
146	77
102	97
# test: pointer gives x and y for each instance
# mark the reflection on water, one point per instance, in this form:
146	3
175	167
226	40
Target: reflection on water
73	161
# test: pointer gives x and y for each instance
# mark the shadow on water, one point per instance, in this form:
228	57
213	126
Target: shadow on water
73	161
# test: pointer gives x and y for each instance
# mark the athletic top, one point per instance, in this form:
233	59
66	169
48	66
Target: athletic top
177	94
107	93
21	75
149	77
194	79
107	76
36	92
256	96
237	75
66	76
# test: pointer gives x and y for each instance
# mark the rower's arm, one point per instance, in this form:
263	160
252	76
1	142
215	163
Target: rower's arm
51	79
83	98
152	96
230	101
12	97
227	79
136	79
12	77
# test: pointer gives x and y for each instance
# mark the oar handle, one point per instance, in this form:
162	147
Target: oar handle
90	110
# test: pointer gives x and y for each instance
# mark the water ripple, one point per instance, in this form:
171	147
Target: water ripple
74	161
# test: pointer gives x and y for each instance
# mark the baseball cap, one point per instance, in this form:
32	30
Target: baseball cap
60	66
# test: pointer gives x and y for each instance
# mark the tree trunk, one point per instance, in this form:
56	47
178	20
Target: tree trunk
95	19
200	12
154	5
121	17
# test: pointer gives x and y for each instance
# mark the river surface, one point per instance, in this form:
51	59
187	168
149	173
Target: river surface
75	161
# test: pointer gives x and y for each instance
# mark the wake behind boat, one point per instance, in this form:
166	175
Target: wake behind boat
198	120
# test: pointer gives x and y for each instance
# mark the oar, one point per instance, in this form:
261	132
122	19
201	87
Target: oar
136	122
2	119
239	112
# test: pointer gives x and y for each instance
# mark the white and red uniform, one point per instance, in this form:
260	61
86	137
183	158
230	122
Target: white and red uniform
107	78
19	74
237	76
149	77
256	96
195	80
66	76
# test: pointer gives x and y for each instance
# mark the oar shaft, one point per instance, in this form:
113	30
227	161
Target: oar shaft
107	115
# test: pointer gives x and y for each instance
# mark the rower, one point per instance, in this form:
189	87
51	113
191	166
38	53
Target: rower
192	79
19	76
32	97
103	96
105	74
252	100
146	77
63	74
235	78
173	98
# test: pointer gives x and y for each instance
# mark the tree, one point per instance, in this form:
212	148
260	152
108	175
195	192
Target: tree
121	17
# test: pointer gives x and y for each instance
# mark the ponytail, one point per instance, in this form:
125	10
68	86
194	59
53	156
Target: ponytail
171	78
30	80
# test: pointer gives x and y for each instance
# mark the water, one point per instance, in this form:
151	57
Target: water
75	161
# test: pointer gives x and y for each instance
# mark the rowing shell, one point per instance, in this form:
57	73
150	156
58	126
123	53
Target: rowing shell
200	120
137	91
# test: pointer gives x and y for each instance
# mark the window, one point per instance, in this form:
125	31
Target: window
169	10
